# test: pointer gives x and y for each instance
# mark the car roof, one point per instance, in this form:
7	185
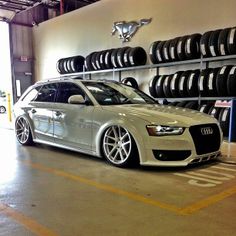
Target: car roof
72	78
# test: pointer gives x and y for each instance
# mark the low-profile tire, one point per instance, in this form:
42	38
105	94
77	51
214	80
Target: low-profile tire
166	51
119	147
215	112
88	62
174	84
152	52
23	131
114	58
159	54
120	56
213	43
181	48
231	82
204	44
203	82
166	86
159	86
137	56
173	49
192	83
61	66
222	42
231	41
130	81
102	59
2	109
224	118
126	57
152	86
205	108
108	62
221	80
192	46
183	83
211	84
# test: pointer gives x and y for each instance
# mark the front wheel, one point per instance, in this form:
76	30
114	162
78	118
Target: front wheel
23	131
119	147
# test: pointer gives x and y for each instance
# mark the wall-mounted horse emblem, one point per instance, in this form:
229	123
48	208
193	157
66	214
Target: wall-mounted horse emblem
126	30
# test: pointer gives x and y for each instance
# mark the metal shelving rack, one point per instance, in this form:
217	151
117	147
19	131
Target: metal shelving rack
200	61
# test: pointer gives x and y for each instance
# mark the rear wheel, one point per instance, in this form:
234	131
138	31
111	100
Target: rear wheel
2	109
23	131
119	147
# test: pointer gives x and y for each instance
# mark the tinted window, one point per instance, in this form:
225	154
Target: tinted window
66	90
47	93
110	93
31	95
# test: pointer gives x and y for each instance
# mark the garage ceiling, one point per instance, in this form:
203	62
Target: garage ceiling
10	8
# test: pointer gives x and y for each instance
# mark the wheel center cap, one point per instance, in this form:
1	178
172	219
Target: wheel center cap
119	143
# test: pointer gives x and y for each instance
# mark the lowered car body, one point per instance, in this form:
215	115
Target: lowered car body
112	120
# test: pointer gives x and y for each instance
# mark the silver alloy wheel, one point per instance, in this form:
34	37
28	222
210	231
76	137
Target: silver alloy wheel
22	130
117	145
2	109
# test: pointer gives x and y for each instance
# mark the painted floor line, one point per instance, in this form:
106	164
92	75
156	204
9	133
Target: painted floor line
25	221
105	187
208	201
190	209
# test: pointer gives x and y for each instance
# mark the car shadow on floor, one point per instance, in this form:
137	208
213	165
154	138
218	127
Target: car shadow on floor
56	151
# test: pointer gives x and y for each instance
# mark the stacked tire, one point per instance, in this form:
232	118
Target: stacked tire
220	42
116	58
177	49
130	81
212	43
70	65
211	82
219	113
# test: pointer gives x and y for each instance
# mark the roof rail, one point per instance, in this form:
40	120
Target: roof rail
59	79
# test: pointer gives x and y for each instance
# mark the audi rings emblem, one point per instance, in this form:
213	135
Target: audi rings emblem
206	131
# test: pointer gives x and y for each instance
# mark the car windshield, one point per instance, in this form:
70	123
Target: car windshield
111	93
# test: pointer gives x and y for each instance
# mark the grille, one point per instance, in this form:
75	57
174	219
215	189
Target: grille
205	141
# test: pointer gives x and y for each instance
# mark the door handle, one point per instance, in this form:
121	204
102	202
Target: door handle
58	113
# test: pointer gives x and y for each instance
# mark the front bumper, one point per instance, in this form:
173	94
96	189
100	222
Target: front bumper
179	150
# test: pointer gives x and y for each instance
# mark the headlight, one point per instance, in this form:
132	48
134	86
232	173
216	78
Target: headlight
160	130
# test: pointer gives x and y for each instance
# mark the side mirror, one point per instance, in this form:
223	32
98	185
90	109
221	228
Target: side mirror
76	99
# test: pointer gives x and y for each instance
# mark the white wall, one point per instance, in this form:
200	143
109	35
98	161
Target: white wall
88	29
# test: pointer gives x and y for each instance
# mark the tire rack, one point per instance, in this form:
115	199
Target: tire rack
201	61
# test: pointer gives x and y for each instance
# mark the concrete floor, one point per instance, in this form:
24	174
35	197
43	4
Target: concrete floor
48	191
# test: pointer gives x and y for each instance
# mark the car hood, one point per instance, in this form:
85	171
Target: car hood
162	114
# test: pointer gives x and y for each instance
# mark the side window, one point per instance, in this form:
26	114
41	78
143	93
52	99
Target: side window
31	95
66	90
47	93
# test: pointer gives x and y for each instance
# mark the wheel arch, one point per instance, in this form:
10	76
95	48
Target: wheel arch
129	127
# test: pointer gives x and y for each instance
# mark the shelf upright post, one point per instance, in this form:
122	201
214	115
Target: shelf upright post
232	122
83	72
157	71
201	68
113	73
119	76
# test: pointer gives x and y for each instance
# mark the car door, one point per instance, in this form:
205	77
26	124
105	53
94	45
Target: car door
72	122
41	112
